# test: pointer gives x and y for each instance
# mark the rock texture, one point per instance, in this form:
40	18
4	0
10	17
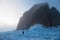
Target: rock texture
39	14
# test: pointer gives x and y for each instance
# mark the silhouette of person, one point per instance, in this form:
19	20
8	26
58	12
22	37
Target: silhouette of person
23	32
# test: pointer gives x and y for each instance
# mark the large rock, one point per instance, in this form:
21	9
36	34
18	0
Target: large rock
39	14
55	16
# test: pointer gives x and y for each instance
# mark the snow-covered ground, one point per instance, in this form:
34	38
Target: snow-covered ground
36	32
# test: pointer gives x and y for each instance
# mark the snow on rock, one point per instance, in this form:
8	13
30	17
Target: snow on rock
37	32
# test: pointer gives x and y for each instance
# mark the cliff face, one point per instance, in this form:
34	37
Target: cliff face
55	16
39	14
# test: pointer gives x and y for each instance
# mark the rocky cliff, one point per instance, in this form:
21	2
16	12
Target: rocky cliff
39	14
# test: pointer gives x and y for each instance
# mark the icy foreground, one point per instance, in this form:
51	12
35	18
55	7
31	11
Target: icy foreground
37	32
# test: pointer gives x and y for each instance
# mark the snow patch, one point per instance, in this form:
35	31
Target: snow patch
36	32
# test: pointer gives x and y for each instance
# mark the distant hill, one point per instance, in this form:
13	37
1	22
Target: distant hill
39	14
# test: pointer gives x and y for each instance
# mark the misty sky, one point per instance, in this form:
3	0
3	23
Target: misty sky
12	10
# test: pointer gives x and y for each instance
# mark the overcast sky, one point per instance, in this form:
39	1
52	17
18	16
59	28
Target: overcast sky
12	10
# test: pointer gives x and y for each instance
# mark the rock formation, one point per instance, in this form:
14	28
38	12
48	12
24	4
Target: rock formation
39	14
